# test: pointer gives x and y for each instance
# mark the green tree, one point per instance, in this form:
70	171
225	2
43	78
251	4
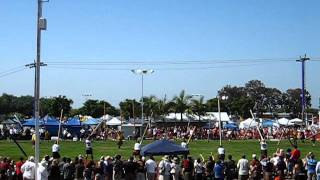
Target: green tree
198	107
96	108
181	102
130	108
292	101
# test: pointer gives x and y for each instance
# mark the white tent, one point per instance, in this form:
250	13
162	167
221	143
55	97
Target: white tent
284	122
113	122
248	123
296	121
214	116
106	117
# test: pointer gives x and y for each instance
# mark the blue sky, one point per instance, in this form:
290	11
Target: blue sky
159	30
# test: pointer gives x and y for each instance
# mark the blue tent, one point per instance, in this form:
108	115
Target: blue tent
31	122
267	123
163	147
73	122
50	121
91	121
73	125
230	126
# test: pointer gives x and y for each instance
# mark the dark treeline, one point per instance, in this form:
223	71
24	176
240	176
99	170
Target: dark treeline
254	95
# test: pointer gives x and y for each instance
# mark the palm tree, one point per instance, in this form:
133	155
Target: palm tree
181	102
149	106
198	107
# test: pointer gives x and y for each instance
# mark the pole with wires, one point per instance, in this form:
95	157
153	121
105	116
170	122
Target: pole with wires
41	25
303	97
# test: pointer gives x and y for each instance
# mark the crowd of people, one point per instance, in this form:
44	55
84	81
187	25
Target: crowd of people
283	164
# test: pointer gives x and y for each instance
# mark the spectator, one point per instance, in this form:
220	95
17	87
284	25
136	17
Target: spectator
198	169
209	168
68	172
230	168
141	174
219	171
164	168
255	168
54	170
318	170
243	167
28	169
267	168
118	173
42	172
311	167
187	168
175	169
79	169
151	167
130	169
18	169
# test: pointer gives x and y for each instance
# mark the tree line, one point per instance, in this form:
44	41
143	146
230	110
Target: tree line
240	99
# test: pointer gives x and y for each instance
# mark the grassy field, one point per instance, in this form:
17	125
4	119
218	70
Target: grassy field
72	149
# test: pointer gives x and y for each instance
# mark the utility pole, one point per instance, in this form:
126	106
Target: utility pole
303	98
41	25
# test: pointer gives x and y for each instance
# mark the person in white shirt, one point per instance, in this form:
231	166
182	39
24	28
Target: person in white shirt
28	169
184	144
42	173
88	148
55	150
164	168
264	148
198	169
243	167
151	167
136	148
221	153
175	169
318	170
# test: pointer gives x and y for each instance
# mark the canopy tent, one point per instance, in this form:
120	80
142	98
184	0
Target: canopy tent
73	122
269	123
248	123
214	116
285	122
106	117
113	122
296	121
91	121
230	126
50	121
31	122
163	147
73	125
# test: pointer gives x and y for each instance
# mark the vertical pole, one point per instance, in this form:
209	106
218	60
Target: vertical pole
142	103
37	88
303	100
220	132
303	92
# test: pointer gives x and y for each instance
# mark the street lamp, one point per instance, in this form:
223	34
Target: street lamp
142	72
220	132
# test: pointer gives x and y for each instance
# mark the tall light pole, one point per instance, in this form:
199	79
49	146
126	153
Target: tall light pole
219	111
142	72
41	25
303	98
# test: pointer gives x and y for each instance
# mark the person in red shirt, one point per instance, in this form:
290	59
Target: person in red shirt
295	154
18	168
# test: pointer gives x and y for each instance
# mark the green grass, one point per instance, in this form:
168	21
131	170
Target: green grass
72	149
